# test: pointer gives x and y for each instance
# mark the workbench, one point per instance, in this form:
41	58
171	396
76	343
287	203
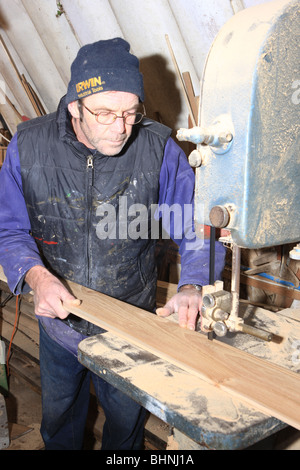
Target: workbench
202	416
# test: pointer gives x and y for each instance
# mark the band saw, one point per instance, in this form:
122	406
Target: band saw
247	158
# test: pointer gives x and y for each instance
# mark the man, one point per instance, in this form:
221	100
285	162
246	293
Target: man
63	175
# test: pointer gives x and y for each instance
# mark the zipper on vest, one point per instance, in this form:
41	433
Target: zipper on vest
90	175
90	162
90	169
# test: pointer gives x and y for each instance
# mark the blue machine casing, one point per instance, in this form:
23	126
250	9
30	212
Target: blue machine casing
252	81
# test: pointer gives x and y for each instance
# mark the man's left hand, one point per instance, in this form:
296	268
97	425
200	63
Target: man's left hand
187	303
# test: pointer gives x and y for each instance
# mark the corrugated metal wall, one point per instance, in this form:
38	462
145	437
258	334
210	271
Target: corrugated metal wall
43	37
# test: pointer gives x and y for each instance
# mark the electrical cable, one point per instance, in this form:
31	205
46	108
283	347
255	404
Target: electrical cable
13	334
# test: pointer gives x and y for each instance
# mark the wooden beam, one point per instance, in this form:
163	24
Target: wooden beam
267	387
8	101
34	100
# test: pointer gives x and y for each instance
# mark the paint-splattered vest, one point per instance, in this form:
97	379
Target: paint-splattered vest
73	200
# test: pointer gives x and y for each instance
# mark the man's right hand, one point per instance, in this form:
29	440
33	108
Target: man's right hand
49	293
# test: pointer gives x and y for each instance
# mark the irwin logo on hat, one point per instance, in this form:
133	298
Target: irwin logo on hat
92	85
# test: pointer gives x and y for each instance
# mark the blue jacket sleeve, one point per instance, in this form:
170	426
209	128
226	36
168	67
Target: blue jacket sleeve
18	250
177	183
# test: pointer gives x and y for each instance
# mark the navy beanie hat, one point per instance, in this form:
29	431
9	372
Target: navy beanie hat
105	66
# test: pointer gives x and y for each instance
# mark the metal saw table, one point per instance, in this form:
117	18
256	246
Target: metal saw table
202	415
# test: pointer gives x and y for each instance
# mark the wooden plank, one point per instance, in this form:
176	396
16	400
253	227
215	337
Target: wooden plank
26	324
164	292
10	58
8	101
272	389
186	96
21	341
190	91
2	154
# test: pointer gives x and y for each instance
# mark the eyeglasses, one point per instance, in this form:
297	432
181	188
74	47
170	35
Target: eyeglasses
107	117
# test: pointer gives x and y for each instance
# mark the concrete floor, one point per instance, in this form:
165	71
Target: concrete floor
23	407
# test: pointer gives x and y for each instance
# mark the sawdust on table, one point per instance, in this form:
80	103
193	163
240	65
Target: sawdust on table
184	392
284	350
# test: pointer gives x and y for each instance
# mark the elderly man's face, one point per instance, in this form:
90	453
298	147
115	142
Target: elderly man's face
107	139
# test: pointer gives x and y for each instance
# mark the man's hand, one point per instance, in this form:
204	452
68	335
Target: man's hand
49	293
187	303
